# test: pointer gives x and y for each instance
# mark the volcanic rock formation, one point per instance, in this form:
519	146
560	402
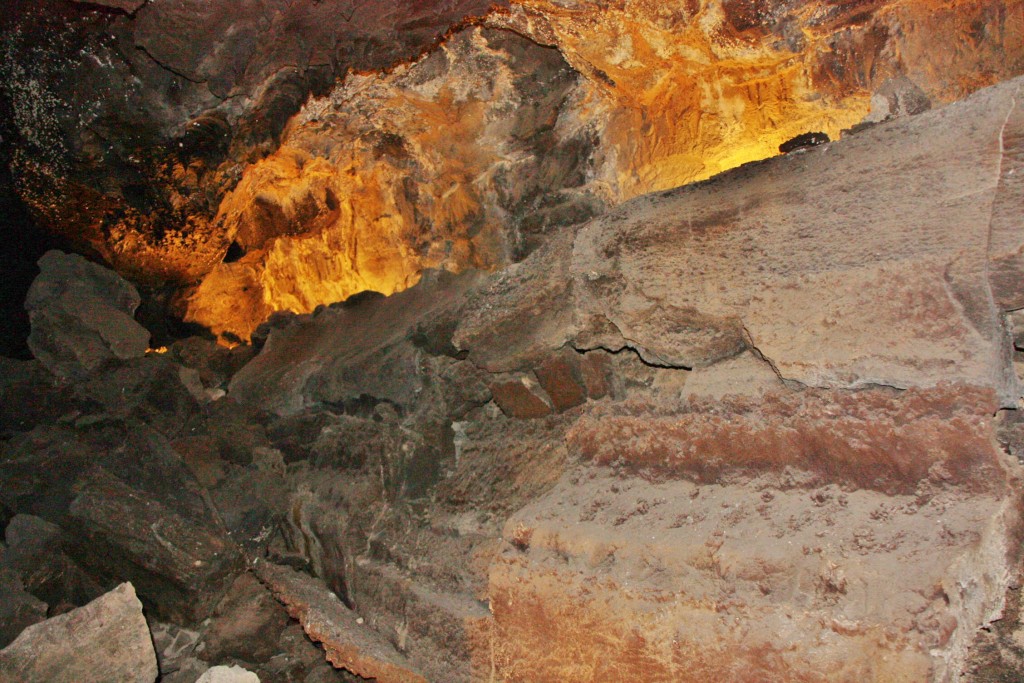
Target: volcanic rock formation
264	152
554	374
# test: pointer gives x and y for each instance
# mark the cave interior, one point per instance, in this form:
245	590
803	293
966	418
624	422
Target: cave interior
521	341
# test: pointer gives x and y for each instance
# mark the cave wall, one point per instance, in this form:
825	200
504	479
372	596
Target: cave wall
168	137
460	160
756	428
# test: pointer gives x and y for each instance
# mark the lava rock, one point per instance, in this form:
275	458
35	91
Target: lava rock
128	508
106	641
228	674
325	619
803	141
18	608
246	625
81	316
36	554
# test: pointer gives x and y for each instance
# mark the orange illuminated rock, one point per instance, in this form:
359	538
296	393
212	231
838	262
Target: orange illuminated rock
686	90
388	175
461	157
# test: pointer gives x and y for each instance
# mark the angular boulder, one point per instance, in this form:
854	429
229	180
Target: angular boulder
106	641
127	508
348	643
81	316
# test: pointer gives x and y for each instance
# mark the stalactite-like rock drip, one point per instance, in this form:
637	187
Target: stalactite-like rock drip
454	162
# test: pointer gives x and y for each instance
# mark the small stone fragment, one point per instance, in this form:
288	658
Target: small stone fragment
228	674
520	398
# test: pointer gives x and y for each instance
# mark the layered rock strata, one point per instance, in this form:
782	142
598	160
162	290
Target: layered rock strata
746	428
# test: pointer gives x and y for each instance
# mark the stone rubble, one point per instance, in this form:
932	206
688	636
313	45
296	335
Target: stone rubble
81	316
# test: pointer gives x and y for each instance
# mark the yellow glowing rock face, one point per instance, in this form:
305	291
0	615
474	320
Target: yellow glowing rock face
394	173
691	88
371	185
688	97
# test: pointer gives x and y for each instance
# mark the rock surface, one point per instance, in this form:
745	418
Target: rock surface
81	316
348	644
228	674
758	427
207	140
826	484
106	640
835	282
127	508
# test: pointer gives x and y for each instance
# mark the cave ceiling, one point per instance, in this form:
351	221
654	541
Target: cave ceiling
264	155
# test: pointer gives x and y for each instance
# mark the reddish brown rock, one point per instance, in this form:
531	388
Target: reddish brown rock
349	644
246	625
521	398
561	377
876	439
127	508
438	630
595	369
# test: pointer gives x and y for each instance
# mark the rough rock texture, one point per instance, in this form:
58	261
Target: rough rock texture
348	643
127	508
37	556
18	608
837	278
825	496
81	316
770	578
326	357
106	640
457	160
711	85
130	147
228	674
258	147
757	428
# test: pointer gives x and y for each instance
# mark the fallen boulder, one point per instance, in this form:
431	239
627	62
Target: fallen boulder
81	316
106	641
349	644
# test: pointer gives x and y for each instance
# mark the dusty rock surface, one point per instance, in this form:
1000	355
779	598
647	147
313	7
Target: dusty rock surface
81	316
826	484
106	640
348	643
762	427
230	143
228	674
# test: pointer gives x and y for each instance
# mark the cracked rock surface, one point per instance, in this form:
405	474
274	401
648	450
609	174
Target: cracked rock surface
749	427
763	427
